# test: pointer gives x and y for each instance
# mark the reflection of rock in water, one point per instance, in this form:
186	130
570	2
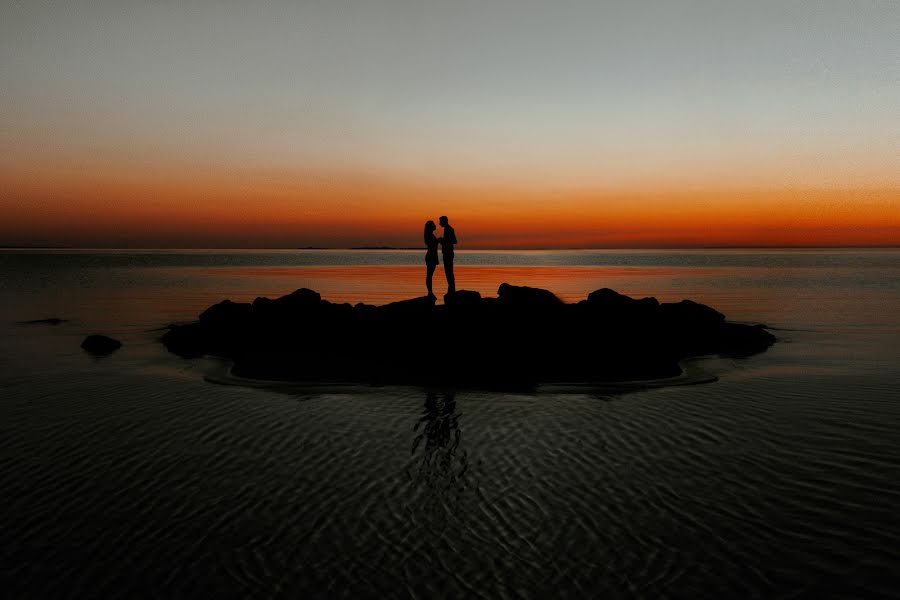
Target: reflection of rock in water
440	467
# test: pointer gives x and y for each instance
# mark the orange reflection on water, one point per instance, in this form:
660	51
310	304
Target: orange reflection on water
741	293
378	284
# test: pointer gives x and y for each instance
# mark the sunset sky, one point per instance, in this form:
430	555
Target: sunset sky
532	124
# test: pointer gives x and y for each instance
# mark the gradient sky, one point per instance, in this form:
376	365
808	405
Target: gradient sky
532	124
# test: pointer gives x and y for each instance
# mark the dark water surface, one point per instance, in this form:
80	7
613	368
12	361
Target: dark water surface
131	476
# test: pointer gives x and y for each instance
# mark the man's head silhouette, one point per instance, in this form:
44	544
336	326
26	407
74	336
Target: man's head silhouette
443	220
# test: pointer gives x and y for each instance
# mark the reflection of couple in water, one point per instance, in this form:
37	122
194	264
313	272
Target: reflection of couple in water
431	256
440	465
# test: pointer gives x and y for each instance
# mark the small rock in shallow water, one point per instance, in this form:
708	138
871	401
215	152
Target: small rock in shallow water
100	344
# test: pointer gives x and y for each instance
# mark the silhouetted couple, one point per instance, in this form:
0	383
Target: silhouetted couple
431	256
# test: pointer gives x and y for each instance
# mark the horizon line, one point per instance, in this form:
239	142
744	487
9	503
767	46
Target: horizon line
485	248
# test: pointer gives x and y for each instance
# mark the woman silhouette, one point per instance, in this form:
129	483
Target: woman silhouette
431	254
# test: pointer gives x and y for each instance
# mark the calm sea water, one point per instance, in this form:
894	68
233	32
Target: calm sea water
133	476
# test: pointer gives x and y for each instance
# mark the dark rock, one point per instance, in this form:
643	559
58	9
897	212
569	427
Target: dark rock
100	344
688	312
262	302
524	337
186	341
413	306
299	299
527	297
462	298
744	340
612	300
224	312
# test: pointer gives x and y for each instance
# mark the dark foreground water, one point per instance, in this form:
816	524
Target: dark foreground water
131	476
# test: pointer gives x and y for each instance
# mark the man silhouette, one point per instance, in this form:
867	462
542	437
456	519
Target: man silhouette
447	241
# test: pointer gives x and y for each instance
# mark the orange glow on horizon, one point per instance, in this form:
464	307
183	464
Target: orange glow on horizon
341	210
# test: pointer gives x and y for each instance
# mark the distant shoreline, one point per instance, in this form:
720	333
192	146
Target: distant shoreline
407	248
383	248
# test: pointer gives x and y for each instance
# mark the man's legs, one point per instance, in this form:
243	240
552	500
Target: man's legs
448	270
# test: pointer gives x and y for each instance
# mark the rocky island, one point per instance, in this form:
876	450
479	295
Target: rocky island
523	337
